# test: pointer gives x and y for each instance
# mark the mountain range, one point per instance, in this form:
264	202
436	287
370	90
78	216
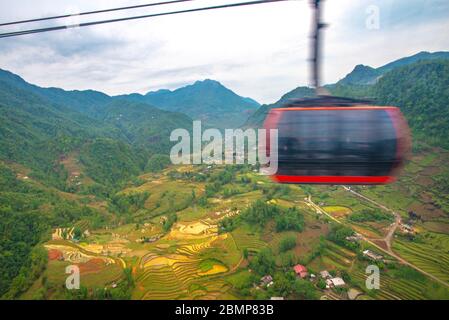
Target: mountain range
206	100
39	125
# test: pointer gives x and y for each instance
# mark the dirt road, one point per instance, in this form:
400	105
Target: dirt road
388	238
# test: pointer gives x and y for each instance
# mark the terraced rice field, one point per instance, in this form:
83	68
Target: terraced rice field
159	283
173	275
393	289
250	241
230	253
173	280
192	249
210	290
430	257
335	255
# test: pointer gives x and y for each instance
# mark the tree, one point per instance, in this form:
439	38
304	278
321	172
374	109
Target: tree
168	223
263	263
345	276
157	163
227	224
338	234
77	233
287	243
282	285
245	253
288	260
260	212
305	290
291	219
321	284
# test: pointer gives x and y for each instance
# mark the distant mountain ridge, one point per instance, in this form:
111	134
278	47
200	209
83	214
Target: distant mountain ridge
87	101
206	100
366	75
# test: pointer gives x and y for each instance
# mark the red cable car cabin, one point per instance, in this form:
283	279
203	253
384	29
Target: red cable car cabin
331	140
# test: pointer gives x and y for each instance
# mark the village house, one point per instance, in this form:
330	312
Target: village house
335	283
277	298
338	282
372	255
354	238
300	271
407	228
266	281
325	274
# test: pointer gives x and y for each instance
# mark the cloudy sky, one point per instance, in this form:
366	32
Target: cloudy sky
257	51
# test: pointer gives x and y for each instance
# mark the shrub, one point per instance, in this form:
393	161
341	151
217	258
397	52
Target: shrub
287	243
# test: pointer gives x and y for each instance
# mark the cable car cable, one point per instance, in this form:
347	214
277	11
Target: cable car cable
93	12
87	24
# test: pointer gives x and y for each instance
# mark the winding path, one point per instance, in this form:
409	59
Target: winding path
387	239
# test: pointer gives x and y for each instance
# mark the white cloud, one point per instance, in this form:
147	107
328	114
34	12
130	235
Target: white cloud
258	51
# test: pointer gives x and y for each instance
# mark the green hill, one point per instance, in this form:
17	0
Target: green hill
207	100
422	92
39	126
365	75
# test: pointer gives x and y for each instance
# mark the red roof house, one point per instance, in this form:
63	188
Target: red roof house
300	271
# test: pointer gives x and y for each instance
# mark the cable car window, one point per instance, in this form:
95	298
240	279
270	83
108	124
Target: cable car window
350	142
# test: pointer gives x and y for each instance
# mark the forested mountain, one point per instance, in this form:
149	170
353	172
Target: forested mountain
206	100
361	75
39	126
422	92
365	75
87	101
143	125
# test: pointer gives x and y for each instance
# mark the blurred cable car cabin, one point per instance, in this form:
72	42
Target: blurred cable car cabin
332	140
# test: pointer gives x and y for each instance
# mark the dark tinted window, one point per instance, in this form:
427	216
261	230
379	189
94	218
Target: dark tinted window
336	142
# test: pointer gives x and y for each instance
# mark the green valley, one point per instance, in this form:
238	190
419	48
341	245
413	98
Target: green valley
86	181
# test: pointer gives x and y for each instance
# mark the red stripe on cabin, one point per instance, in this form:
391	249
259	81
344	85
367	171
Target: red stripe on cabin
335	179
333	108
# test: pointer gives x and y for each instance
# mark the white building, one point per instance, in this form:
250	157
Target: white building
337	282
